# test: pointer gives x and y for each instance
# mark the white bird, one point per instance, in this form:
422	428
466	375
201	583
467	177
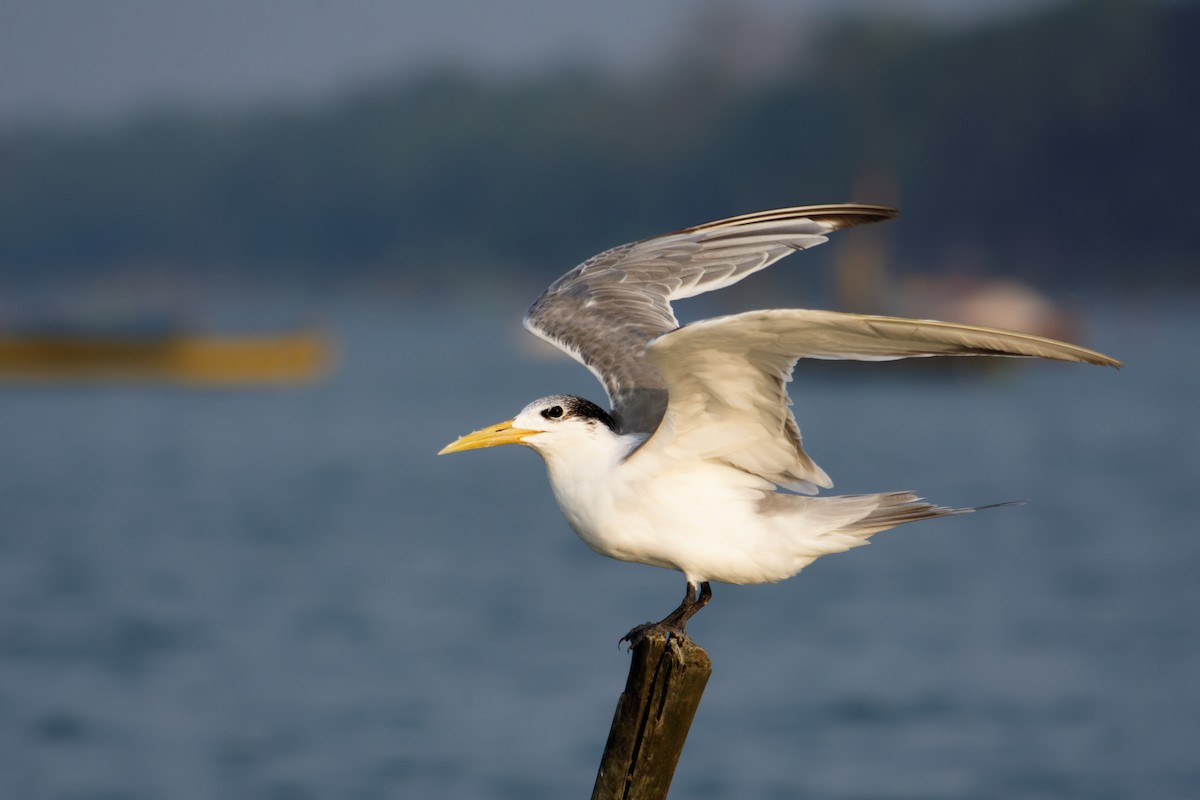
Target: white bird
699	468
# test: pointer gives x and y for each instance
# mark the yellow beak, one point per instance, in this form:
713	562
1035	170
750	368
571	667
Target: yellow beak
500	433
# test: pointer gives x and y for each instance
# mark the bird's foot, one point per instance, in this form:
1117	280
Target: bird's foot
672	626
664	629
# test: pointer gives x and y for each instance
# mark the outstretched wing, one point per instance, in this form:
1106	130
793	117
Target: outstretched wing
727	378
606	310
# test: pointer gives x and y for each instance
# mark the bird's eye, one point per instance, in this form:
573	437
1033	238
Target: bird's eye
553	412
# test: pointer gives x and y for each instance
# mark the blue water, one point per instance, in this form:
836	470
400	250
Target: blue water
284	594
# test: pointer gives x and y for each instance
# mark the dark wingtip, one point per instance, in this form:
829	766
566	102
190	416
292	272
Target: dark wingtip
851	214
841	215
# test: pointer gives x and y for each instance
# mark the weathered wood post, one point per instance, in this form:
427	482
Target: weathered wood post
663	690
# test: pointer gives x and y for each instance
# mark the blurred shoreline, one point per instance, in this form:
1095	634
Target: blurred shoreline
1026	148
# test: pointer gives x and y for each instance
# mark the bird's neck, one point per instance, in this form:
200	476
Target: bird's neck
581	474
588	458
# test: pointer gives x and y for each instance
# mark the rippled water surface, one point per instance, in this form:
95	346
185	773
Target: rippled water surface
284	594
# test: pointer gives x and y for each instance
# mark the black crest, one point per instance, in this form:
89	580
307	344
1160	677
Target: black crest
571	406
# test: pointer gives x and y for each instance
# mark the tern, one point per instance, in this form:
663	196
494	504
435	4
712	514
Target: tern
699	467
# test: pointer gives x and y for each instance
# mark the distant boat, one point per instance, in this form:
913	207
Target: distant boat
165	355
863	284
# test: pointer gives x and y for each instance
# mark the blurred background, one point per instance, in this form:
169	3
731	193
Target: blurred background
259	261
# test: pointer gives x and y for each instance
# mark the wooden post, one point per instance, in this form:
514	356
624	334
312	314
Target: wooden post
663	690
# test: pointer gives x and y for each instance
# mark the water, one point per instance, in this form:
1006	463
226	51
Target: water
283	594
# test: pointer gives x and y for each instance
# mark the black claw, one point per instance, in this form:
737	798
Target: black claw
635	635
667	631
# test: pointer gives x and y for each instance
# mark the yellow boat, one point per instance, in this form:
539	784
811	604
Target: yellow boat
173	357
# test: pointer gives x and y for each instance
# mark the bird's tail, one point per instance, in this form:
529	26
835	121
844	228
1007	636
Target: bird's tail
849	520
811	527
896	508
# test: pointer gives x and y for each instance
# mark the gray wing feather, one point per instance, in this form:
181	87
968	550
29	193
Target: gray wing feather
606	310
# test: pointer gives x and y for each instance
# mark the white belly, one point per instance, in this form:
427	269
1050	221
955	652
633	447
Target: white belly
701	521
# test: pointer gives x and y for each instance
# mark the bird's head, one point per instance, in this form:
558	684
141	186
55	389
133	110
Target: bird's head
547	425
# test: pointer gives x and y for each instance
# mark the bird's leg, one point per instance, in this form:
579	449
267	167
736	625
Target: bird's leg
675	623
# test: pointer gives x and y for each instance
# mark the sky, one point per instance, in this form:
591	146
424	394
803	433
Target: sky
90	61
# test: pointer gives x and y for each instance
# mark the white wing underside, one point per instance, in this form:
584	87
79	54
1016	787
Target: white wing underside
727	377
